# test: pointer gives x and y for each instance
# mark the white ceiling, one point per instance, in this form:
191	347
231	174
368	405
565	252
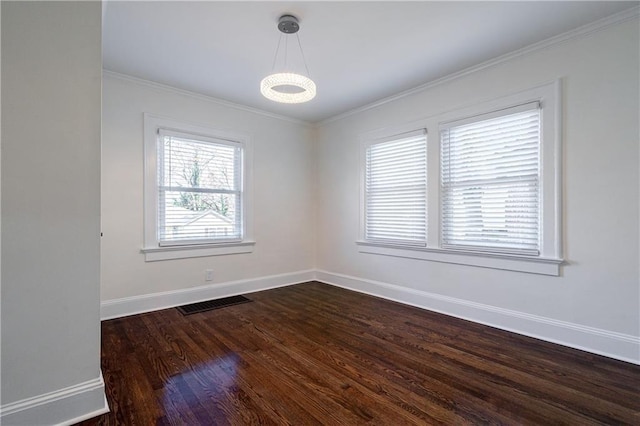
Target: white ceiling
357	52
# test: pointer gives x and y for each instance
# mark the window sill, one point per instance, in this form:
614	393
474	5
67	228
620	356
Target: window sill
508	262
153	254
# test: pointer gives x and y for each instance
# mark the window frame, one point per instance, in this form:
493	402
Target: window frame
495	248
366	146
155	250
238	192
549	259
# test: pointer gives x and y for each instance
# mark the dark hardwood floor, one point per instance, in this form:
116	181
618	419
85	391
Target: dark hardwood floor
317	354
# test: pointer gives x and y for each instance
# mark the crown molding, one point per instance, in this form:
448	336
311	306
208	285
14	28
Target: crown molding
582	31
201	97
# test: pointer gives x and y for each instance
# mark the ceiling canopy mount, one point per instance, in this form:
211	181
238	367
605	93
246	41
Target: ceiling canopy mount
288	24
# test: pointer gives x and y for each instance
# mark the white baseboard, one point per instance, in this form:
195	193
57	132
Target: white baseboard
614	345
63	407
117	308
603	342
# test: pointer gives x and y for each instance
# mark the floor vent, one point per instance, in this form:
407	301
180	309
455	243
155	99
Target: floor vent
209	305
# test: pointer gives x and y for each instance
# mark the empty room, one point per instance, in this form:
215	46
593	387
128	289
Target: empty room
341	213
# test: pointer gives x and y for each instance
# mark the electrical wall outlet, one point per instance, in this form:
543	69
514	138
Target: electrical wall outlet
208	275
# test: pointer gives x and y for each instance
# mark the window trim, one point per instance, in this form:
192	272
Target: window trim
152	248
549	260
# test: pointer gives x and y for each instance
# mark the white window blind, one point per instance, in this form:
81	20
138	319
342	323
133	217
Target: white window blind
199	189
491	181
395	190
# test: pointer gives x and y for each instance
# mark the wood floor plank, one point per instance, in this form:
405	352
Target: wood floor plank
317	354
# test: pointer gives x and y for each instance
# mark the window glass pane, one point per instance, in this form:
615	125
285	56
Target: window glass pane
190	163
193	215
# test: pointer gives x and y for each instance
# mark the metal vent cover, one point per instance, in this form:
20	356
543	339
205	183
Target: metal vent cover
209	305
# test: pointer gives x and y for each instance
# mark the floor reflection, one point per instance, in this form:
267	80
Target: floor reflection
204	383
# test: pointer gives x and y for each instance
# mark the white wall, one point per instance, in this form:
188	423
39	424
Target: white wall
283	210
51	73
0	202
598	292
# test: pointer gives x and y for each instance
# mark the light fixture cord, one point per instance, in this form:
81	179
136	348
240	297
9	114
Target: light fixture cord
286	50
275	57
304	60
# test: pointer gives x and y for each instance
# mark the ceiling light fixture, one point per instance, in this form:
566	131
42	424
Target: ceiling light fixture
288	87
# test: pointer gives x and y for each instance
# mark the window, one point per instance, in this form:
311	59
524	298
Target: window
490	181
199	187
396	189
195	191
486	193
